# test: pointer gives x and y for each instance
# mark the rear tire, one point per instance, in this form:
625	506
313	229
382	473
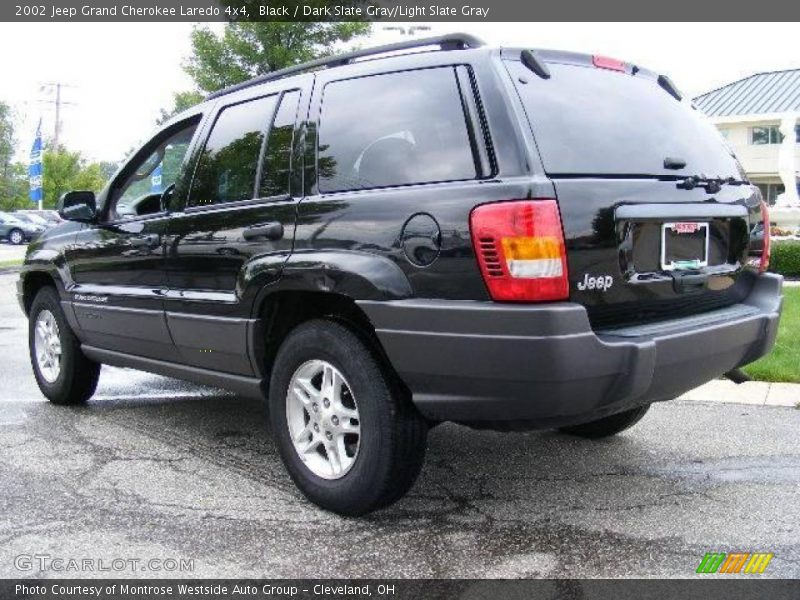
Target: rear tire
16	237
62	371
341	384
607	426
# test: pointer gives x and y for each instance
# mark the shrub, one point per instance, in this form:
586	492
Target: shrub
785	259
780	231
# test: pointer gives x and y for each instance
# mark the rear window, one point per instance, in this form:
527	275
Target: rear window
394	129
278	154
588	121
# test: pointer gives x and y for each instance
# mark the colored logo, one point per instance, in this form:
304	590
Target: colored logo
735	562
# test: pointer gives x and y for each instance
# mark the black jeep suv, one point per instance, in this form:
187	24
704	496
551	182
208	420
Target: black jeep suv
427	231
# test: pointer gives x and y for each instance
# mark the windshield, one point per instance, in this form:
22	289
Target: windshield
33	219
37	219
589	121
11	219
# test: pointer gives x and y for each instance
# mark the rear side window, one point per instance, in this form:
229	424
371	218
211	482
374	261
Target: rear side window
226	170
596	121
394	129
278	154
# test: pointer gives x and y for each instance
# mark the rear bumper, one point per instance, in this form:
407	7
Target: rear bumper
482	361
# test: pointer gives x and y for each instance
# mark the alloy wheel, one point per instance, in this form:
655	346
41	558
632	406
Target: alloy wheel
323	419
47	346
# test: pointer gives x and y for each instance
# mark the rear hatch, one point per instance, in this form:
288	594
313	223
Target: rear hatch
656	211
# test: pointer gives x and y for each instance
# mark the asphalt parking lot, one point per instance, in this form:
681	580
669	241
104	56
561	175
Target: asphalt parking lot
155	468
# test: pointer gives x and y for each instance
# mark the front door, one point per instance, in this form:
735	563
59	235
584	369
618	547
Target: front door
237	228
117	264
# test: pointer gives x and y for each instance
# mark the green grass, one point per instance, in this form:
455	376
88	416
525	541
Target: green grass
783	363
10	263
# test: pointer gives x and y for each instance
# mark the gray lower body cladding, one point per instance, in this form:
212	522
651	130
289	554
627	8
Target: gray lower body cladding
543	364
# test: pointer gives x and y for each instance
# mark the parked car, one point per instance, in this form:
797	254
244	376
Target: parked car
17	231
505	238
51	216
32	218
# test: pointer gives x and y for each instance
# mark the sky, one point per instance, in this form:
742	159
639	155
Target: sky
118	75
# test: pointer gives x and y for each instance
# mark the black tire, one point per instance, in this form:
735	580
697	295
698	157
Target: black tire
17	239
77	379
393	434
608	426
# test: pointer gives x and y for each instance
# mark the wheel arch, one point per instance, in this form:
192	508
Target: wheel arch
32	282
281	311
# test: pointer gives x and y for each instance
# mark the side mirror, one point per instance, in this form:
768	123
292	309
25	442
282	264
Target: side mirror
77	206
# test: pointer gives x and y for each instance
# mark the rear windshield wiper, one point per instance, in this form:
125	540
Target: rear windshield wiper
534	63
711	184
666	83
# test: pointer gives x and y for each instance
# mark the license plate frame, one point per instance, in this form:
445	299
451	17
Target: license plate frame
688	264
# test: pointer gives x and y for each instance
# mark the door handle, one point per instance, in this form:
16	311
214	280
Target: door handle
151	240
269	231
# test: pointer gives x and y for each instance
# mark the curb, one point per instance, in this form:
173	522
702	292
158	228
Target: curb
754	393
4	270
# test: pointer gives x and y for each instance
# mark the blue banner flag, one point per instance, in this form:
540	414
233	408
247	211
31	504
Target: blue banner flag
155	181
35	166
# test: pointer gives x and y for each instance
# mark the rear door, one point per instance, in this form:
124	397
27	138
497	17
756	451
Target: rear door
237	226
618	146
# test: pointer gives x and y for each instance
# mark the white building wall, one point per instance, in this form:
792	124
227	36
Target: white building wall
760	162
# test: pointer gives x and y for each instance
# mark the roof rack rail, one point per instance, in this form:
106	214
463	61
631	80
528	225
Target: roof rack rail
451	41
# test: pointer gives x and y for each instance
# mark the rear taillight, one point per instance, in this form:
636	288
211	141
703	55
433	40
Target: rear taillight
520	250
765	250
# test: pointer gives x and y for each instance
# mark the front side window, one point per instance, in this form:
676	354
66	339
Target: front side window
226	170
140	193
393	129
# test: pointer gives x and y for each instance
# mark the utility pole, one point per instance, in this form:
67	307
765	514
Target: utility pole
58	115
58	102
56	85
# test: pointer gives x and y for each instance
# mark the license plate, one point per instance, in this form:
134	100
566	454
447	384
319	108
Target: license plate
684	246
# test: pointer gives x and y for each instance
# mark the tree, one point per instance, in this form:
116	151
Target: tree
15	194
246	50
109	167
7	142
181	101
64	171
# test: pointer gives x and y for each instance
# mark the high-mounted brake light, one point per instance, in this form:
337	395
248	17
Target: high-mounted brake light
604	62
765	250
520	250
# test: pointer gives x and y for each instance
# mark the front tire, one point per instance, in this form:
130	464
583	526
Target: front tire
608	426
62	371
16	236
349	436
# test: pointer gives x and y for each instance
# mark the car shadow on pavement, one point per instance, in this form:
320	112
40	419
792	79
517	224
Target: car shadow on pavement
466	470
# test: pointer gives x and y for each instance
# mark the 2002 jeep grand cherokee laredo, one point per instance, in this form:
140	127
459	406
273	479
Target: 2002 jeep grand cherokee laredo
500	237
